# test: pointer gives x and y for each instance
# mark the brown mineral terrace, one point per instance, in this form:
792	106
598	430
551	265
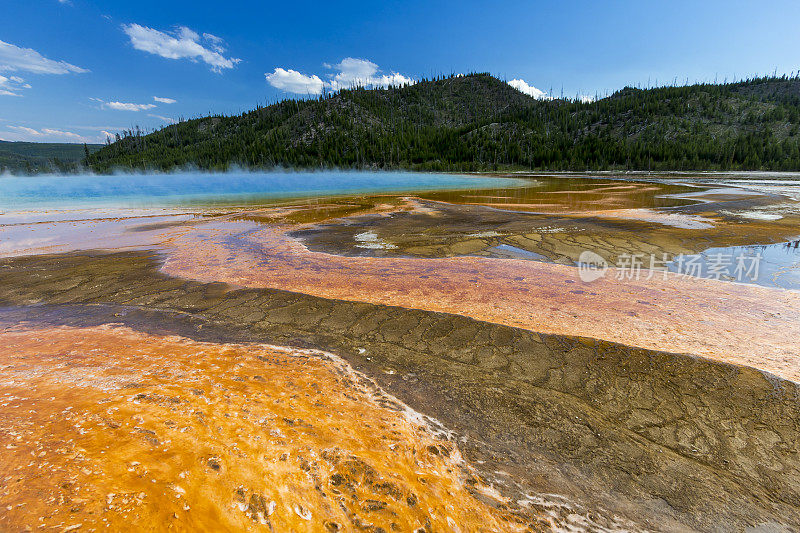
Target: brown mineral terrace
665	440
181	414
704	317
681	314
257	248
106	428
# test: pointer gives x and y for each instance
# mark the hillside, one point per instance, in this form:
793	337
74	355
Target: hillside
478	122
34	157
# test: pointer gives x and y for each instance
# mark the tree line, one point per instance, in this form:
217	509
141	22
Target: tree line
477	122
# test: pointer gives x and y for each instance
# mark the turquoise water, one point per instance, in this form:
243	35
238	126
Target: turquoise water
197	188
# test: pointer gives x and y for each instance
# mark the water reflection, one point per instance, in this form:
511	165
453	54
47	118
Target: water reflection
770	265
558	195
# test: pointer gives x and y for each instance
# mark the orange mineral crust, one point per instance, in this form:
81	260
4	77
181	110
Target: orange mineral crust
106	428
735	323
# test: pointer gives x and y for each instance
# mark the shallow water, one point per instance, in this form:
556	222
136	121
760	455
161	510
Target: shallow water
536	414
135	438
547	194
417	281
716	221
770	265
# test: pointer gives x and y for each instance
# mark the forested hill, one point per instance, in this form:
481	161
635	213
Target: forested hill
27	157
477	122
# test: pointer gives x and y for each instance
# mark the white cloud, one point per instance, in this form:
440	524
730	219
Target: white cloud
394	79
363	73
24	130
23	133
183	43
62	133
123	106
351	73
10	86
162	118
13	58
126	106
215	42
294	82
530	90
164	100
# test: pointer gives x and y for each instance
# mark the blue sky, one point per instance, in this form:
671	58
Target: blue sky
72	70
